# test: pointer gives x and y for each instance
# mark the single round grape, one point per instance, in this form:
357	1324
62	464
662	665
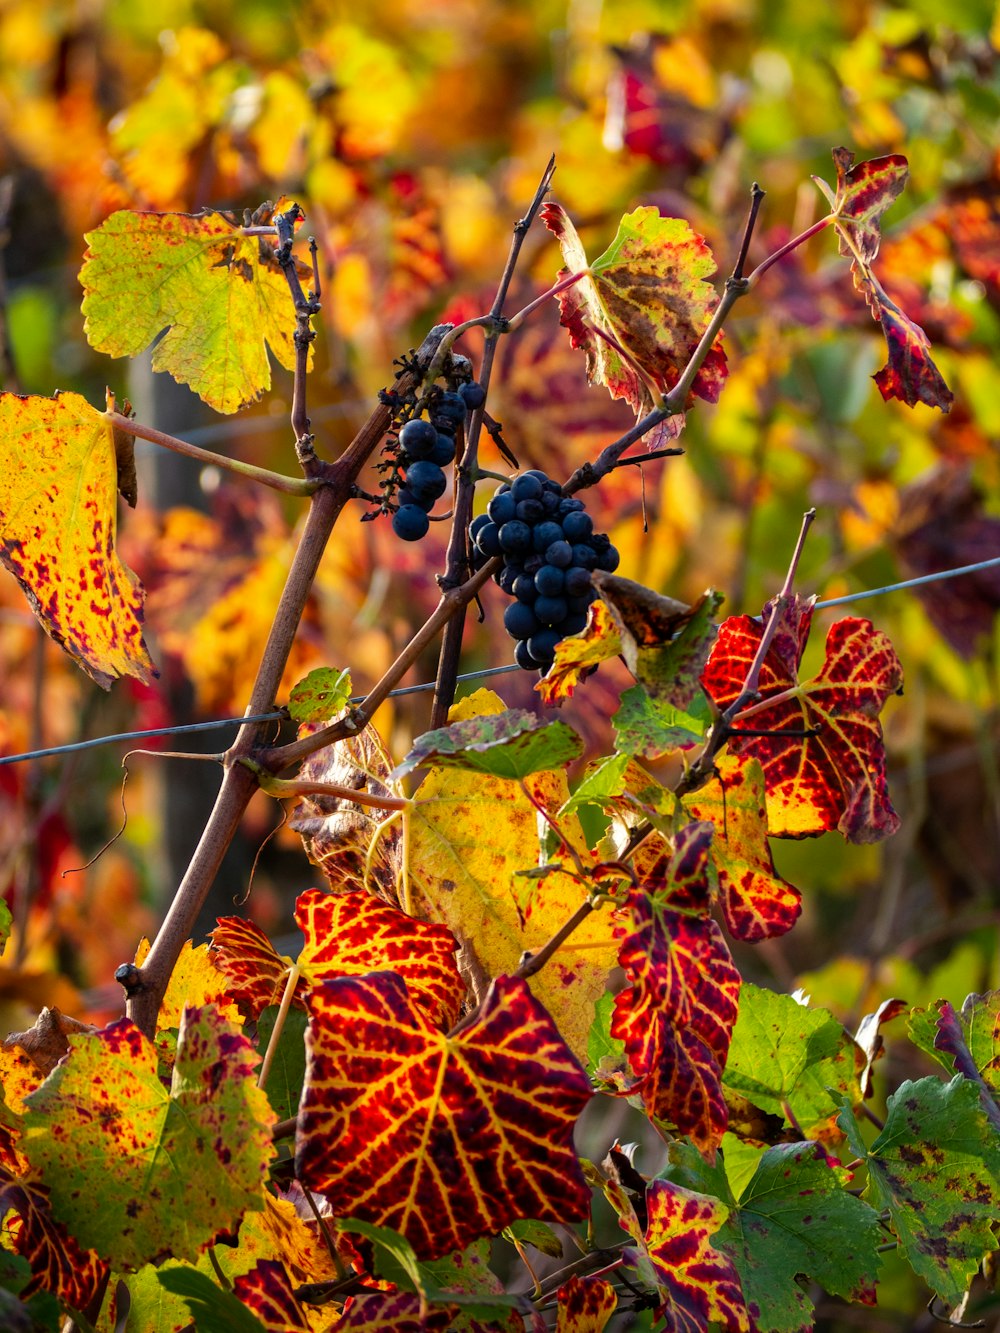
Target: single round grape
608	560
426	479
537	472
542	646
551	500
473	395
501	508
477	525
569	504
530	511
523	588
450	405
576	581
533	563
410	523
404	496
584	555
545	534
525	487
559	553
523	657
520	621
488	539
550	581
515	537
551	610
577	526
418	438
507	578
443	452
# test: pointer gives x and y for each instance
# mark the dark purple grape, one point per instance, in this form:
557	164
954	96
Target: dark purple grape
451	406
551	610
550	581
533	563
418	438
545	534
523	588
608	560
523	657
569	504
507	579
542	646
426	480
488	539
525	487
551	501
574	623
577	581
580	605
477	525
515	537
530	511
501	508
404	496
577	526
584	555
410	523
559	553
443	452
520	621
473	395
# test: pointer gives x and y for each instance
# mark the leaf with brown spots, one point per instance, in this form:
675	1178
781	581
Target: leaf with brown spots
756	902
646	296
58	1263
58	523
936	1168
176	1167
677	1015
346	934
512	744
585	1305
967	1042
219	294
578	654
836	777
445	1139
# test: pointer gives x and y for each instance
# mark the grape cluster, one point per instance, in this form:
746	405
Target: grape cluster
426	447
549	548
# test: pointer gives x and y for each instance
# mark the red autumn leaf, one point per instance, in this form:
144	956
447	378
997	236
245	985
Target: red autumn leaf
698	1285
835	778
346	934
641	308
863	194
756	902
677	1015
585	1305
58	1263
445	1139
267	1291
909	375
394	1312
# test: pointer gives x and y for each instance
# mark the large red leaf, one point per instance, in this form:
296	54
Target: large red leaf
677	1016
346	934
446	1139
835	778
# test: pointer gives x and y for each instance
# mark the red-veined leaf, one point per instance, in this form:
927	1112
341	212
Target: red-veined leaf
267	1291
58	1263
585	1305
578	654
863	194
446	1139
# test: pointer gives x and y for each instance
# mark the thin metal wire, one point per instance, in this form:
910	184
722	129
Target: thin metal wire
429	685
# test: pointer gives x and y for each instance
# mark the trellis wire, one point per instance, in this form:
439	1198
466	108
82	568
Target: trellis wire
429	685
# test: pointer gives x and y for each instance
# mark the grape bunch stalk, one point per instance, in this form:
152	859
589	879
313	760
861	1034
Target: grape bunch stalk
550	550
426	447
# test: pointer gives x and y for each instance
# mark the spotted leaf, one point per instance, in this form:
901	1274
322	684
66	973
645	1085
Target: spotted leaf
446	1139
585	1305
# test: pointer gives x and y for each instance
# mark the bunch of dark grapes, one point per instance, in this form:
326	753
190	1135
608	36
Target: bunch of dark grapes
426	447
550	549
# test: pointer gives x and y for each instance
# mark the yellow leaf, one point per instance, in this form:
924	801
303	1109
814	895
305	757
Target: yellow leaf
194	980
58	522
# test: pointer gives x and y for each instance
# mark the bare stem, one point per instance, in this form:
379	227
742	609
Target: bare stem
787	248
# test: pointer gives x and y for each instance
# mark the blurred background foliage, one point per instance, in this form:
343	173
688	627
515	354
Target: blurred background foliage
414	132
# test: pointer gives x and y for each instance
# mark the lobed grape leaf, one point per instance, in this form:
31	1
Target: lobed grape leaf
219	294
320	696
443	1138
676	1016
935	1168
177	1166
697	1284
646	296
862	195
346	934
785	1056
967	1042
193	981
585	1305
58	523
469	836
58	1262
512	744
756	902
648	728
836	777
578	654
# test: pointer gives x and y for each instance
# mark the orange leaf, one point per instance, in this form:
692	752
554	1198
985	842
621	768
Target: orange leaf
445	1139
58	520
578	654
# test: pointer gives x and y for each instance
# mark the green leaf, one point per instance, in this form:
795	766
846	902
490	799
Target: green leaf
603	1049
649	728
288	1065
538	1234
784	1054
395	1260
968	1042
320	696
935	1168
219	294
512	744
210	1306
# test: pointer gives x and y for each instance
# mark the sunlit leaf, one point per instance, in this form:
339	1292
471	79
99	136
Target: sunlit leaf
836	777
214	1308
267	1292
58	524
443	1138
935	1168
217	292
320	696
58	1262
585	1305
193	981
178	1166
756	902
862	195
513	744
578	654
649	728
677	1015
967	1042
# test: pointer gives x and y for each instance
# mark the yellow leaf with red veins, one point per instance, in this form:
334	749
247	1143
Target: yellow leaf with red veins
58	523
469	836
